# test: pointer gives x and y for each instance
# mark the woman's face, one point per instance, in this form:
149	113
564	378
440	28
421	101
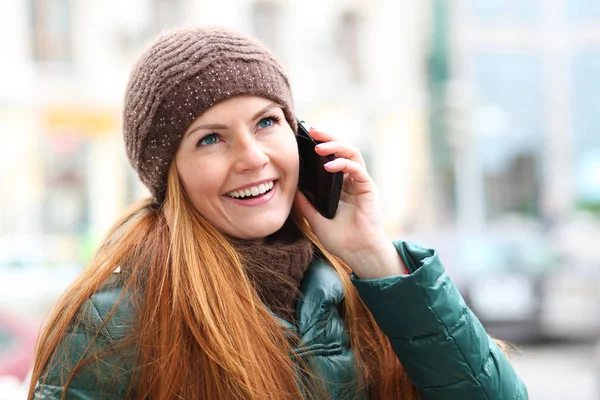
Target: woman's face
238	163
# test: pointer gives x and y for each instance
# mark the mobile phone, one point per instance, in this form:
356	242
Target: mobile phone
321	187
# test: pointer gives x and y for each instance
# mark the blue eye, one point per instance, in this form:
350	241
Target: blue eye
268	122
208	140
265	122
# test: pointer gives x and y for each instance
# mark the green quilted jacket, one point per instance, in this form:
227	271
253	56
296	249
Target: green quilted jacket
441	344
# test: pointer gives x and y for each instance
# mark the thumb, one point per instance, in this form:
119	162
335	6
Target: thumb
305	208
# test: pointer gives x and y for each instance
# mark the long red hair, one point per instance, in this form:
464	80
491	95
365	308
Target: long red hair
192	300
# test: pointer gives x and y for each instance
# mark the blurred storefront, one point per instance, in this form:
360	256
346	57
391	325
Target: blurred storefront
509	89
83	175
67	81
476	118
61	175
518	83
515	152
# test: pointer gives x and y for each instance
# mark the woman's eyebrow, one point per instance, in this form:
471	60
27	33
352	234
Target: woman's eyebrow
207	126
221	126
264	110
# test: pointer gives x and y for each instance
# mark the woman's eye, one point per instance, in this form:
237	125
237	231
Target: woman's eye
208	140
266	122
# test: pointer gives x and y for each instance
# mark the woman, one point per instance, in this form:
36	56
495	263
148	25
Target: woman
228	284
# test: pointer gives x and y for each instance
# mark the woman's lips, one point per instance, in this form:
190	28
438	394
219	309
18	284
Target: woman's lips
257	200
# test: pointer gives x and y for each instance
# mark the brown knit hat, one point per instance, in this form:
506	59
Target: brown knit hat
181	75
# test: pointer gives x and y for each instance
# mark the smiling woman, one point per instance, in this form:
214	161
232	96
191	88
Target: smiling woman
228	284
226	158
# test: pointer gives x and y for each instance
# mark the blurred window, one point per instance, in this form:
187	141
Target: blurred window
586	102
348	43
266	23
582	8
51	30
510	90
586	108
517	9
509	127
527	9
65	204
520	177
488	8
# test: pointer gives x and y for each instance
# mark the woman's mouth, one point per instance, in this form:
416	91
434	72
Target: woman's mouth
252	192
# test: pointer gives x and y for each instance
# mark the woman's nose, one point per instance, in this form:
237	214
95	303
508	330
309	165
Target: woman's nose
250	156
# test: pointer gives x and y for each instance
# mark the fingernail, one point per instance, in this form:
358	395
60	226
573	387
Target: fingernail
328	164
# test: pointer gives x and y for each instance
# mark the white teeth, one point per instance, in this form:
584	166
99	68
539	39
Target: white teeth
252	191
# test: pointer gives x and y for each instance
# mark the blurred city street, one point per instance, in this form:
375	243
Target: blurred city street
558	371
477	120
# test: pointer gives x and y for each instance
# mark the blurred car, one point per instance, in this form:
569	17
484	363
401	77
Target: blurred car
17	344
506	280
500	274
571	309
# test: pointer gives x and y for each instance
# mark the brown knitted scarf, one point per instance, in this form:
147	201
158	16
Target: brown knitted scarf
275	266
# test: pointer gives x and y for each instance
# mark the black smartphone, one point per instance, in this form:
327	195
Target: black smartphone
321	187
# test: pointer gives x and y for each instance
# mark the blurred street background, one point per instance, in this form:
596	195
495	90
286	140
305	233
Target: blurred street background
478	119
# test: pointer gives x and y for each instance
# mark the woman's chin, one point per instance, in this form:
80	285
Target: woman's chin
253	230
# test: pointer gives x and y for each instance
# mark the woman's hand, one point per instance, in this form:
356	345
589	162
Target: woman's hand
356	233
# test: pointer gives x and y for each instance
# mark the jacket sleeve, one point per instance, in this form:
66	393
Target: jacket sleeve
106	372
441	344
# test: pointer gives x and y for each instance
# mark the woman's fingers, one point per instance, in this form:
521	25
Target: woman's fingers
320	136
341	150
349	160
330	145
352	168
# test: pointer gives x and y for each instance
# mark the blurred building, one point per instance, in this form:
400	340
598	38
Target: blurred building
356	69
521	103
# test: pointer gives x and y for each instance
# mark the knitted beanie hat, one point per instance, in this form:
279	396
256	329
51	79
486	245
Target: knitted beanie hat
179	77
